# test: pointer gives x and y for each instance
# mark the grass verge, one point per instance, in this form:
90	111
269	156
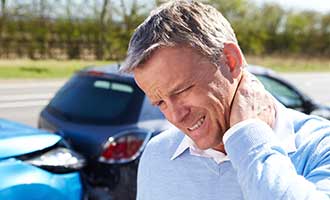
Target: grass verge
10	69
291	64
24	69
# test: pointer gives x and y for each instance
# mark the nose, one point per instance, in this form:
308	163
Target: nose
177	111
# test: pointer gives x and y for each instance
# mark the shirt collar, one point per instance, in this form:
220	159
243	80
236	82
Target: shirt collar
283	128
187	143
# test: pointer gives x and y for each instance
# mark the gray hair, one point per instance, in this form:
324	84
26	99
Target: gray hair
180	22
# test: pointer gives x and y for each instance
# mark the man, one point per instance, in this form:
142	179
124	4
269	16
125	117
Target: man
233	139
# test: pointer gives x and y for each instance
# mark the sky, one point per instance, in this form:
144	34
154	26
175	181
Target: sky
316	5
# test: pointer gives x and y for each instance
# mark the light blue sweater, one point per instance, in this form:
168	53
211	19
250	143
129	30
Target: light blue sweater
259	168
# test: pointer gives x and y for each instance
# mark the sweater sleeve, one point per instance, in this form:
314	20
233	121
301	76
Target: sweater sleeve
265	171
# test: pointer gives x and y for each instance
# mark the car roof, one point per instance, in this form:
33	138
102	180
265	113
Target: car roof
255	69
105	70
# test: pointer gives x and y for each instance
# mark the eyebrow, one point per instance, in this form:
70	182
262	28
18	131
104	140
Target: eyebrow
179	88
171	92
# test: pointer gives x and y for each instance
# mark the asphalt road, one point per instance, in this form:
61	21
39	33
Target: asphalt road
22	100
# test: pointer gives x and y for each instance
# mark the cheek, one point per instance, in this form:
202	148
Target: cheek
218	106
221	94
167	113
202	99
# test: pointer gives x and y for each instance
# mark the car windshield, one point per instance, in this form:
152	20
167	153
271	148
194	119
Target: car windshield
282	92
97	100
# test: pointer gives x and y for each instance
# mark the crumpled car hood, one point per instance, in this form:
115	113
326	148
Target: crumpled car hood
18	139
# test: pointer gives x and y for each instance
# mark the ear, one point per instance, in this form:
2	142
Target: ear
234	57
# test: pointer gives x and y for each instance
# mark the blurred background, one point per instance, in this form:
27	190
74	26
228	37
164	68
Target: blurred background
43	42
103	115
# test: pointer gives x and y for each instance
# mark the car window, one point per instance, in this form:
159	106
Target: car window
97	100
282	92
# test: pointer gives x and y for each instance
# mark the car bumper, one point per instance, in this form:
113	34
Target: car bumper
117	180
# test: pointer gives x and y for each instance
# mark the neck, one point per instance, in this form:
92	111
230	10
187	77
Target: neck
221	148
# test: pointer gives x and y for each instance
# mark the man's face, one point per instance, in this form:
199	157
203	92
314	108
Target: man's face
193	93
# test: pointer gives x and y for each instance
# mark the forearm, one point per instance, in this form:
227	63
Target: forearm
264	169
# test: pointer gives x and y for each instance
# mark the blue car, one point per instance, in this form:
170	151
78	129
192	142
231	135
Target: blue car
36	164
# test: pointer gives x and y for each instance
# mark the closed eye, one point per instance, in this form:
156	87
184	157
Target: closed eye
183	90
161	103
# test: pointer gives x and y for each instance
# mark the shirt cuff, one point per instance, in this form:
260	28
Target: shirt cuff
244	137
238	126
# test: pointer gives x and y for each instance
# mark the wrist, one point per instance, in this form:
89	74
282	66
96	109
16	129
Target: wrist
238	126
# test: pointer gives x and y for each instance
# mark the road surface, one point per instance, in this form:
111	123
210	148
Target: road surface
22	100
315	85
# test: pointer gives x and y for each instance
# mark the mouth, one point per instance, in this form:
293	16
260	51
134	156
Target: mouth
198	124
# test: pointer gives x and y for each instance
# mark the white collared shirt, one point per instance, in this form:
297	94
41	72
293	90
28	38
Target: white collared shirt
283	129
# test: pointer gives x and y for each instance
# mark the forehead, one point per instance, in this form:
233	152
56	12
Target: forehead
169	65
